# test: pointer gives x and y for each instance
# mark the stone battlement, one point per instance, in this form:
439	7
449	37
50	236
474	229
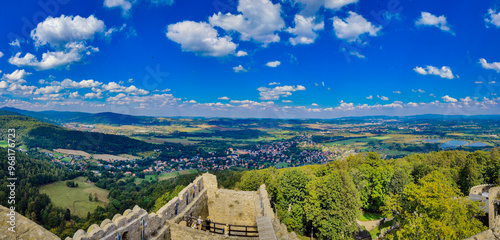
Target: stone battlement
199	198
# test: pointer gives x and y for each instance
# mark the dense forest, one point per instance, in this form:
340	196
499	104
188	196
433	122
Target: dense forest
34	133
425	193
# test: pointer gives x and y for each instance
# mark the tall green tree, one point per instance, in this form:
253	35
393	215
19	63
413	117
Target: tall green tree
434	209
469	175
333	205
400	178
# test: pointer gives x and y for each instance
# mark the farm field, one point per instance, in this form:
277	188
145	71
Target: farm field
165	176
72	152
75	199
3	144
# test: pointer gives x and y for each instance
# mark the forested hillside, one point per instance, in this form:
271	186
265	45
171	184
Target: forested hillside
425	193
34	133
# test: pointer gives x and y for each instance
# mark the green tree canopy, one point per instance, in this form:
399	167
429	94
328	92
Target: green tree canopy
434	209
333	205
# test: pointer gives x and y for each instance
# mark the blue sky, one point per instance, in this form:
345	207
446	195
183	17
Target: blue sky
251	58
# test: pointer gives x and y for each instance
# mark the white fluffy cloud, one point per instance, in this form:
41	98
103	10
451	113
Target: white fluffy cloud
126	5
444	72
15	43
3	84
277	92
68	83
448	99
493	18
352	27
369	97
1	54
67	35
310	7
494	65
123	4
201	38
223	98
48	90
18	76
305	30
92	95
241	54
427	19
59	31
239	68
273	64
259	21
73	53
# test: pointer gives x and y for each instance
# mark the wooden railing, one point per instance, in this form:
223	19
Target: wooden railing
218	228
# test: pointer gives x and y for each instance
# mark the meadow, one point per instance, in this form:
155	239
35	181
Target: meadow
76	199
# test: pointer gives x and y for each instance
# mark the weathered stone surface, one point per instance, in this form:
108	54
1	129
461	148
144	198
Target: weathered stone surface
79	234
25	228
104	223
233	207
115	217
227	206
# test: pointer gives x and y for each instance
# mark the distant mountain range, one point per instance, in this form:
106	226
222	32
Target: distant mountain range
35	133
60	117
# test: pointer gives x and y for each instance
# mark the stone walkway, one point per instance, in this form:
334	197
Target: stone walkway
369	225
266	230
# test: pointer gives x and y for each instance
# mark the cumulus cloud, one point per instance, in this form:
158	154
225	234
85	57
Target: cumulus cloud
305	30
123	4
444	72
1	54
15	43
92	95
369	97
3	84
494	65
383	98
273	64
18	76
57	32
200	38
352	27
223	98
68	83
241	54
239	68
73	53
259	21
67	36
286	101
311	7
427	19
492	18
396	92
449	99
126	5
277	92
274	83
48	90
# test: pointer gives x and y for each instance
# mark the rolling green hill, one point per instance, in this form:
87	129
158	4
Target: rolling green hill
34	133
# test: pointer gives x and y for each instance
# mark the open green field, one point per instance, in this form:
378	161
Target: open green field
66	159
368	216
165	176
3	144
75	199
282	165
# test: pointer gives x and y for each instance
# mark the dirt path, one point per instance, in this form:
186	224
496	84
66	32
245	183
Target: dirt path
369	225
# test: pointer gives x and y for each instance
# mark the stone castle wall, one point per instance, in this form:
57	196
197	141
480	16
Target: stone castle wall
191	200
200	198
233	207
